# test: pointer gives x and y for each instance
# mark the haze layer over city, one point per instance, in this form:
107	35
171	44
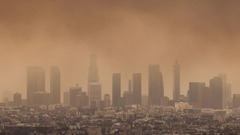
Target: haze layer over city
127	36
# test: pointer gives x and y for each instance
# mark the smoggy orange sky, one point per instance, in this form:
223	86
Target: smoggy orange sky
127	36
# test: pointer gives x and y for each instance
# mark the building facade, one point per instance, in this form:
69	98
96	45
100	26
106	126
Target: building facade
176	81
35	82
155	85
116	89
137	88
55	85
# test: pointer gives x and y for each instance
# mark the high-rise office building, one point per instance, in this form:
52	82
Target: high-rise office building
94	86
95	91
155	85
93	69
229	94
127	98
55	85
224	83
206	97
217	92
82	100
107	101
176	81
35	82
17	99
236	100
137	88
116	89
73	93
129	85
195	94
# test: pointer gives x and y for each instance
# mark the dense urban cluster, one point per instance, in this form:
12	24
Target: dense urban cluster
204	110
127	120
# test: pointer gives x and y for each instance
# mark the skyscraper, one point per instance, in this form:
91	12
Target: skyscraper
73	93
229	94
95	91
107	100
176	81
82	100
236	100
155	85
116	89
127	98
55	85
94	86
93	69
217	90
195	93
35	82
129	85
206	97
137	88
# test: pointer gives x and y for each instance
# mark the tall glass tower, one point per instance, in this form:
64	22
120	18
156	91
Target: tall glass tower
155	85
94	86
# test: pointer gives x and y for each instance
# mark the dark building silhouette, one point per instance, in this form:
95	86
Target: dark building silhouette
155	85
130	85
17	99
82	100
116	89
73	93
206	97
107	100
35	82
236	100
127	98
176	81
229	94
195	94
55	85
217	90
137	88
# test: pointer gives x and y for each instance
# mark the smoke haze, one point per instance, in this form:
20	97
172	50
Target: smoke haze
127	36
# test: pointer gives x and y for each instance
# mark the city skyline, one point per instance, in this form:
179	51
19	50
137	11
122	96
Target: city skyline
107	67
126	83
217	95
126	36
